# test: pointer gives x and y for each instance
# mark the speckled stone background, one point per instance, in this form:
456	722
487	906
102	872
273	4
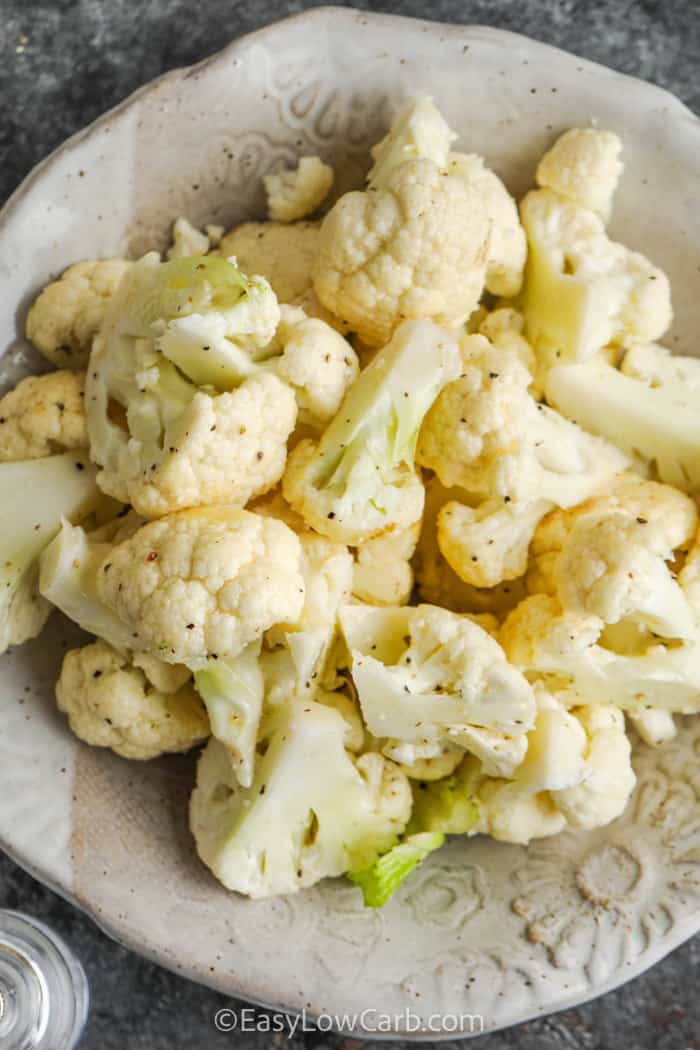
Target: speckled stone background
61	64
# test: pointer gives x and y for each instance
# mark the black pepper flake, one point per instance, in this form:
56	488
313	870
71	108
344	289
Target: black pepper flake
107	567
60	406
642	521
507	499
190	627
493	375
152	556
79	466
331	514
259	455
96	674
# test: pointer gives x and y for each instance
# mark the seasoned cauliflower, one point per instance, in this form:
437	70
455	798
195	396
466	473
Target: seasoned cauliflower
161	442
507	243
202	584
582	290
35	496
312	811
283	253
360	481
293	195
428	676
584	166
110	703
67	314
43	415
648	407
436	580
382	574
187	240
576	653
608	557
654	727
486	434
504	329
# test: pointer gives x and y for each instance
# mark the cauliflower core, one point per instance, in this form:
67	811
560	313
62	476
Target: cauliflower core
110	703
204	583
66	316
43	415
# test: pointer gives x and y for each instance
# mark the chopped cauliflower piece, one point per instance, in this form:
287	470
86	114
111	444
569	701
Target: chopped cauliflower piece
487	434
582	290
504	328
293	195
608	557
312	811
507	243
426	676
35	496
359	481
648	409
573	651
608	781
162	443
66	316
110	703
187	240
43	415
382	574
428	762
283	253
584	166
202	584
489	544
654	727
419	130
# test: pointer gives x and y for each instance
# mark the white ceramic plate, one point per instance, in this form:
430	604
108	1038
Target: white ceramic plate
486	929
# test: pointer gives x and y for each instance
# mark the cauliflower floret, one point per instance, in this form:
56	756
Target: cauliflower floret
583	165
608	780
35	496
360	481
316	362
427	676
654	727
293	195
204	583
187	240
416	247
66	316
161	443
283	253
504	329
110	703
312	810
486	434
427	762
382	574
507	243
608	557
573	652
436	580
489	544
648	408
43	415
582	290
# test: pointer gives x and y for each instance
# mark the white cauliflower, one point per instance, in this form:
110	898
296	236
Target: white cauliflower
202	584
43	415
67	314
283	253
584	166
654	727
573	652
359	481
649	407
428	676
486	434
312	811
427	762
35	496
161	442
436	580
507	243
488	544
110	703
608	557
187	240
293	195
504	329
582	290
414	245
382	574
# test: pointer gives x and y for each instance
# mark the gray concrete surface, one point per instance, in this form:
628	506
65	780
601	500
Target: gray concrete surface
61	64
